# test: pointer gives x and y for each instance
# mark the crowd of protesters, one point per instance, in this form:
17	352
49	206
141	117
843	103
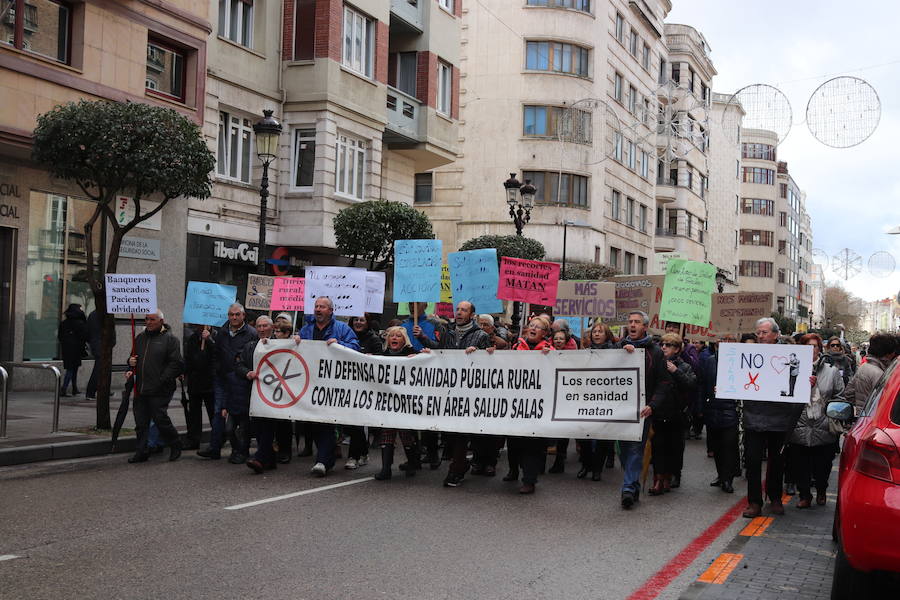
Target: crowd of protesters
798	442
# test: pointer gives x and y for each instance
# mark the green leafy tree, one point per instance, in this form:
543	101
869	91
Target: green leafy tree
589	271
787	325
513	246
110	149
368	230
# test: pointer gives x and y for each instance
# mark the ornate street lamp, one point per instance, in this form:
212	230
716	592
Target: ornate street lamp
267	132
520	211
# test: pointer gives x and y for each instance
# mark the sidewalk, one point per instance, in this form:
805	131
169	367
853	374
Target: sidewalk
30	419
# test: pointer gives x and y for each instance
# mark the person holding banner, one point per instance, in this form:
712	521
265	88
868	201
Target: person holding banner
156	364
721	417
369	340
562	339
199	358
228	388
370	343
425	331
397	343
324	327
529	452
658	389
596	453
264	459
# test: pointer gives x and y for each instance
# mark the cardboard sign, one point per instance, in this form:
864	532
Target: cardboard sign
475	278
585	299
287	293
639	292
737	313
766	372
596	394
207	303
259	292
531	281
660	262
417	271
687	293
130	294
345	286
375	291
446	285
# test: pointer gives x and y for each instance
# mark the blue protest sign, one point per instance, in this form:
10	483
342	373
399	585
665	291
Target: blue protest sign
417	271
207	303
474	276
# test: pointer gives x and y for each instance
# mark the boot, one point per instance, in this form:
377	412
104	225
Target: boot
387	459
559	463
413	460
666	482
657	488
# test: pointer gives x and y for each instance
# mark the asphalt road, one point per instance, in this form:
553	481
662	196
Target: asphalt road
97	528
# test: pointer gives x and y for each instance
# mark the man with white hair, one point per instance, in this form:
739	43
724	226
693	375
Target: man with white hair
156	364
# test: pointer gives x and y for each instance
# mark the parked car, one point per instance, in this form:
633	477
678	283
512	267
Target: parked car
867	516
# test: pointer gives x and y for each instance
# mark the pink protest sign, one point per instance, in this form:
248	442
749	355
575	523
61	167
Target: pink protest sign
287	293
529	281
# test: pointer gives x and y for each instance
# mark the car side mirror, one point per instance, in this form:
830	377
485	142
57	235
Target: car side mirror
840	411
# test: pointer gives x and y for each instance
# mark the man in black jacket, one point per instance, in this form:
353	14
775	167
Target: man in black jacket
658	390
199	356
156	364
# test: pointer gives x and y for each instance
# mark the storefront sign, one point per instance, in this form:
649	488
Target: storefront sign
130	294
143	248
9	211
237	251
574	393
125	213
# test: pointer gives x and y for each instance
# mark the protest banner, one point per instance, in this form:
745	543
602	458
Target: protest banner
736	313
446	285
287	293
130	294
531	281
660	262
574	393
585	299
375	291
207	303
417	270
444	310
687	292
345	286
259	292
475	278
766	372
639	292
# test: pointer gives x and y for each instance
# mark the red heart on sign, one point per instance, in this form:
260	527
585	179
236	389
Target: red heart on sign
778	363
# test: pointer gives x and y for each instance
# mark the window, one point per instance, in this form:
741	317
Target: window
304	157
620	28
628	263
662	70
165	70
782	190
643	222
645	165
557	122
582	5
445	87
642	265
757	237
758	206
782	246
693	77
646	116
631	213
676	72
758	175
782	219
755	268
424	183
566	189
615	210
447	5
781	277
358	42
632	99
690	224
617	88
598	254
645	58
758	151
351	167
617	146
557	57
236	21
45	28
234	147
630	158
633	43
614	257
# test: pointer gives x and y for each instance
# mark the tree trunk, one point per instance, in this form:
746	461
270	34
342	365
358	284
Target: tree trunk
104	371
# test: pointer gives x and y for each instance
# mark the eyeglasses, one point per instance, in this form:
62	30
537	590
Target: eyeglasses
671	345
834	345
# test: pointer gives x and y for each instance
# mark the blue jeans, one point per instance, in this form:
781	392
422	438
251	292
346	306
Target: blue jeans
153	440
325	443
631	455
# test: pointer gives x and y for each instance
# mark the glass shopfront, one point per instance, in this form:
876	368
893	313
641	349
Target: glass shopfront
57	268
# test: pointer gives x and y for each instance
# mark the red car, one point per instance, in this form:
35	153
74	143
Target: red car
867	517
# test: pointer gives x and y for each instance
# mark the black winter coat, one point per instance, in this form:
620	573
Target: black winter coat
717	413
454	340
228	347
657	382
159	362
198	364
684	384
369	342
72	335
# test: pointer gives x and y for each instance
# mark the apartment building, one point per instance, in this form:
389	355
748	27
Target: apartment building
723	199
52	52
563	94
367	94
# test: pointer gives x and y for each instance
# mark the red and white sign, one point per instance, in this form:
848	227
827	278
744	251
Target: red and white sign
287	293
531	281
282	377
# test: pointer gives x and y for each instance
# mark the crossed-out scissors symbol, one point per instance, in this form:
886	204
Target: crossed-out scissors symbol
752	382
282	377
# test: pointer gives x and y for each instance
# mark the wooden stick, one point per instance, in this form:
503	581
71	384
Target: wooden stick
415	306
133	349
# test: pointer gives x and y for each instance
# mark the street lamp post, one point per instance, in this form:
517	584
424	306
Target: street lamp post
520	211
267	132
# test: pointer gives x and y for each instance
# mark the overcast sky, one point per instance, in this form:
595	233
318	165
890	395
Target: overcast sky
853	194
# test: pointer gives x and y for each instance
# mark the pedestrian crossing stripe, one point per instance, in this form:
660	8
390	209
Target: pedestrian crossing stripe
721	568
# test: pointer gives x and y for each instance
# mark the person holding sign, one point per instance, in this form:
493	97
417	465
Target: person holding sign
199	358
424	331
155	364
658	386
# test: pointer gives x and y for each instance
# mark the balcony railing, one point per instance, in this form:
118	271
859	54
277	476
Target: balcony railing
665	232
666	181
408	11
403	111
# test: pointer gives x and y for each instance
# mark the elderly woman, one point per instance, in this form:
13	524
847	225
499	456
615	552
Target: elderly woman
397	344
561	340
594	453
487	324
813	442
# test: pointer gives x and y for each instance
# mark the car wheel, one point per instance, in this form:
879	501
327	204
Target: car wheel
848	583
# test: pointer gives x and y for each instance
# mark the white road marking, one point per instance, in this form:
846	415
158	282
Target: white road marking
8	556
324	488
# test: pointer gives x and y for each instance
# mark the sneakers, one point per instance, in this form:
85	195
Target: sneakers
363	460
453	480
352	464
318	470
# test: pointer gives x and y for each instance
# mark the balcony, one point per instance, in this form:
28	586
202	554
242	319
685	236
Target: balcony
664	240
403	113
406	16
416	131
665	189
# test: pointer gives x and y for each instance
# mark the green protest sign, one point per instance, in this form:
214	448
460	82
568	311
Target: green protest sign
687	293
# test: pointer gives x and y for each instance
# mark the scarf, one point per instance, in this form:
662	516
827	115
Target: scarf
464	329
